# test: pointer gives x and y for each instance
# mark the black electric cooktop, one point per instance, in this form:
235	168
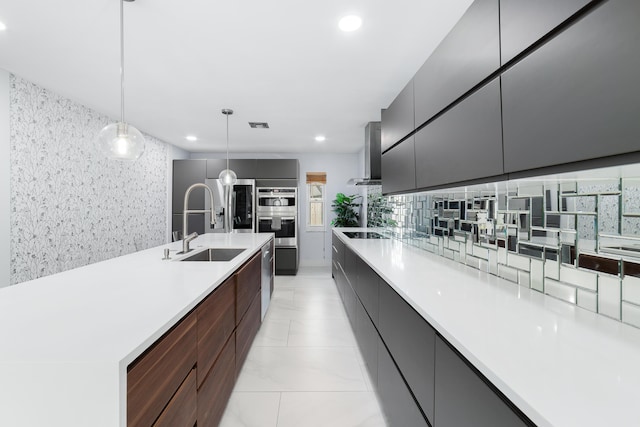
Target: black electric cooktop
364	235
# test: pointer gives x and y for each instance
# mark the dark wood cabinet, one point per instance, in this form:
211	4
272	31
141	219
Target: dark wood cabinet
248	280
397	120
276	169
367	287
464	399
154	378
247	330
466	56
217	386
399	168
216	322
181	411
523	22
575	98
397	402
463	144
411	341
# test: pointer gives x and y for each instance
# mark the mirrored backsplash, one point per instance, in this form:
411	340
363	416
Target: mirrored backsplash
575	237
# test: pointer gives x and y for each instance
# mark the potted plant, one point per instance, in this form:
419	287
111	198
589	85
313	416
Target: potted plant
345	209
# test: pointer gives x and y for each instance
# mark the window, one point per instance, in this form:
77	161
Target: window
316	182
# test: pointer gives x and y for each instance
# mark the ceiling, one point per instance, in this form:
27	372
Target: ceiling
284	62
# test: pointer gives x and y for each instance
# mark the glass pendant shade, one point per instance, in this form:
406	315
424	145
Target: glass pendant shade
228	177
121	141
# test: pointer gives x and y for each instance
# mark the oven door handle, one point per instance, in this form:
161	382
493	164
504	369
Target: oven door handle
286	218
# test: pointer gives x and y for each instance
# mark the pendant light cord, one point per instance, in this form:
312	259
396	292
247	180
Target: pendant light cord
122	61
227	141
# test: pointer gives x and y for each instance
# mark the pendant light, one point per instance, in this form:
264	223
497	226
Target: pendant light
121	141
227	176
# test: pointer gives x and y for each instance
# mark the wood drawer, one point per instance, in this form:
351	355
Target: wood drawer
156	375
217	386
216	321
247	284
247	330
182	409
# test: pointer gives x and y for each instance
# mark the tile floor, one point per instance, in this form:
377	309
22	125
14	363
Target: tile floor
304	368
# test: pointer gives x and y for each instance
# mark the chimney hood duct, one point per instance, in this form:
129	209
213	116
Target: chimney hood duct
372	156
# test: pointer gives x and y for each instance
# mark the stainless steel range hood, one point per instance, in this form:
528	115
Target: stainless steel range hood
372	157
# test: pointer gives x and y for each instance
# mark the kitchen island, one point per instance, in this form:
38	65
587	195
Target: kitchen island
67	340
537	360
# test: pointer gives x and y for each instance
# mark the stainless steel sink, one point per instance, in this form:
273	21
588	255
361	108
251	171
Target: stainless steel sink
215	254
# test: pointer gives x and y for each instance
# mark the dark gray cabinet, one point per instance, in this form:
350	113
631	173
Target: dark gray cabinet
286	261
464	399
399	168
576	97
276	169
367	337
463	144
397	120
244	168
523	22
186	173
466	56
397	402
411	341
367	286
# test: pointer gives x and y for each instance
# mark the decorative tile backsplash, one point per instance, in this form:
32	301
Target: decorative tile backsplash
70	206
573	238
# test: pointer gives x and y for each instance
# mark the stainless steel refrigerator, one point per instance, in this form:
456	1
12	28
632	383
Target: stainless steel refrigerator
234	207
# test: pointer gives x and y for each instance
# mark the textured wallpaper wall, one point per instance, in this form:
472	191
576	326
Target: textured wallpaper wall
70	206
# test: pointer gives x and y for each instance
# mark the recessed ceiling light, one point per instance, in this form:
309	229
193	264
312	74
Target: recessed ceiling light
2	26
191	138
350	23
320	138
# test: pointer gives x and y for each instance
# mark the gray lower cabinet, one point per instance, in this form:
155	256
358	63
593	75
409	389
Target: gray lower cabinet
185	174
276	169
286	261
367	288
523	22
576	97
411	341
463	144
466	56
397	402
367	337
399	168
463	399
397	120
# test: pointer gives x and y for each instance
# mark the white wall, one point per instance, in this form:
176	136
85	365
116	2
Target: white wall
315	247
5	188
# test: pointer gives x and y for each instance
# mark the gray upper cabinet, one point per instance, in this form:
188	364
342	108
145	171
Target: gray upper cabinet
464	399
523	22
397	120
399	168
276	169
186	173
463	144
466	56
576	97
244	168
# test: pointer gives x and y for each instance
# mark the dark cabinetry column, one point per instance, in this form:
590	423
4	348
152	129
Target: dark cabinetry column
397	120
399	168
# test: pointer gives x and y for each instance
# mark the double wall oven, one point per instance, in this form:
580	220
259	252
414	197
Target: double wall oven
277	212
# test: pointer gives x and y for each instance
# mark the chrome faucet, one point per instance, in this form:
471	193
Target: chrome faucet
185	215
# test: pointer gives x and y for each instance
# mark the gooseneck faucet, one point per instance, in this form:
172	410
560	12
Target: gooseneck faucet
185	215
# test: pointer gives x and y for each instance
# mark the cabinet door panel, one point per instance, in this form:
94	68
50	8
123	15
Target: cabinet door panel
397	120
411	342
247	284
154	377
185	174
247	330
399	406
216	322
466	56
463	144
399	168
367	289
367	337
277	169
463	399
575	98
182	409
523	22
217	387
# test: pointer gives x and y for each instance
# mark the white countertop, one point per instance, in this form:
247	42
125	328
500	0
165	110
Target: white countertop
560	364
66	339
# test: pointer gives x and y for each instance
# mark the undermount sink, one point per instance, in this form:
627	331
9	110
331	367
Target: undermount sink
215	254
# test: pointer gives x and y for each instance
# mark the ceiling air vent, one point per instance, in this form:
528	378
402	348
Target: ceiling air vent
259	125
